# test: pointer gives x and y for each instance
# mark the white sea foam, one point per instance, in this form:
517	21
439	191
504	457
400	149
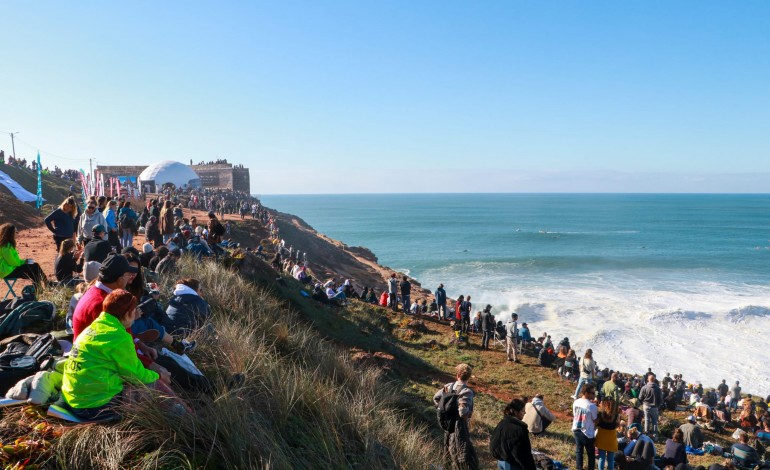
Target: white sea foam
706	330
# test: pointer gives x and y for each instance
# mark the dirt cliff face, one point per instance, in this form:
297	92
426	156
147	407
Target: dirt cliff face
329	258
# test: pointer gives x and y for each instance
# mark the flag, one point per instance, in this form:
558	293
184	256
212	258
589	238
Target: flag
39	203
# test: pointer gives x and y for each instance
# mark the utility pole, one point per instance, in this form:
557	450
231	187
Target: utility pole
13	145
91	168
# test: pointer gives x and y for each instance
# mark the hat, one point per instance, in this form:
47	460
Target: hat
147	248
91	270
98	228
115	266
186	233
691	418
524	324
212	214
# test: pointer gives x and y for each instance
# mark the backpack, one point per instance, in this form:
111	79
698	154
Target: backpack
20	360
29	317
219	229
126	222
542	461
448	411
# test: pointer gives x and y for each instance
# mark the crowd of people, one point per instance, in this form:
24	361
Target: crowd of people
122	335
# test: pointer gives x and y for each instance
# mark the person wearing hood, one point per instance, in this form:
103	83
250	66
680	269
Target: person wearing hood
88	220
186	310
537	416
509	442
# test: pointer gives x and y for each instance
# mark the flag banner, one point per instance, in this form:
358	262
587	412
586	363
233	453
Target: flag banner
39	203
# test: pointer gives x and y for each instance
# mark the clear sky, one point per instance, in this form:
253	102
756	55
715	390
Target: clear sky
400	96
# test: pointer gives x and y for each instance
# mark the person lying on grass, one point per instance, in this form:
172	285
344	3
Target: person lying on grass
103	360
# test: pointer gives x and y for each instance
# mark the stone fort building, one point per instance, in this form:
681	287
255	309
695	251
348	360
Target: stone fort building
218	175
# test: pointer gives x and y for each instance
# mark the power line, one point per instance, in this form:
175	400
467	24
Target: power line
33	147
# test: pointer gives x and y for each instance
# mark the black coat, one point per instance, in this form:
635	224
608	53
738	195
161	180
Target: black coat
510	442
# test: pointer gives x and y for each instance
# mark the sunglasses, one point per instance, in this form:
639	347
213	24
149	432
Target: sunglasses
91	207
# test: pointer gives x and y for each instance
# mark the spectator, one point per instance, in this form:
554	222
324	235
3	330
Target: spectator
538	417
187	310
585	415
61	222
11	265
509	441
457	441
406	291
675	454
104	360
511	337
440	295
88	221
744	456
99	248
691	433
587	368
652	398
606	433
67	262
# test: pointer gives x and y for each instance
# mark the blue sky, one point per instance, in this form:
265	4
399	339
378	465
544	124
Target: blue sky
336	97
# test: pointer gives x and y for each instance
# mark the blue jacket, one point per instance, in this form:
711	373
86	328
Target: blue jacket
185	311
440	296
60	223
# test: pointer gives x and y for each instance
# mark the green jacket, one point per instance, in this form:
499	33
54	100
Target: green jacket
9	260
102	359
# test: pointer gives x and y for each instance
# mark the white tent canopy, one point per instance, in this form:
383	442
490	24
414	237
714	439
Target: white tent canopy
159	174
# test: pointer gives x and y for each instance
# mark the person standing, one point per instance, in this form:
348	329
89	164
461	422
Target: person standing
487	326
440	295
128	220
393	292
406	292
511	337
509	442
585	414
735	395
587	368
652	398
61	222
167	221
457	440
607	434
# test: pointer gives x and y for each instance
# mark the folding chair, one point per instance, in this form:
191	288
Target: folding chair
500	335
10	282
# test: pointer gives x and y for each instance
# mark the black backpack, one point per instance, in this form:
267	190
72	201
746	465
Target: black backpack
126	222
20	360
448	411
219	229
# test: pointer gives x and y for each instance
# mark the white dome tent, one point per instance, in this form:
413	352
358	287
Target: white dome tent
160	174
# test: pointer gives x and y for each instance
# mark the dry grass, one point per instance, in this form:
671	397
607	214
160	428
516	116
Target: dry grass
302	405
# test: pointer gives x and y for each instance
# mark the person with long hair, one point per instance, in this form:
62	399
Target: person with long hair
11	265
166	221
61	222
68	261
606	433
509	442
586	367
88	220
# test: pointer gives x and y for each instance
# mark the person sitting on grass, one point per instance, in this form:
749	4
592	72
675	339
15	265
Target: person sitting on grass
675	454
68	262
146	326
11	265
744	455
103	360
187	310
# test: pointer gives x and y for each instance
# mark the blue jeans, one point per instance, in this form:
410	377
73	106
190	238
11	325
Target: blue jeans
582	442
608	457
406	304
580	384
503	465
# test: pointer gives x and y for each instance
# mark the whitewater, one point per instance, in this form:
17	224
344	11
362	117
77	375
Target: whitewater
678	283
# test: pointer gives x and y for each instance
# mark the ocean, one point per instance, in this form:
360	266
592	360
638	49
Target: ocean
679	283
